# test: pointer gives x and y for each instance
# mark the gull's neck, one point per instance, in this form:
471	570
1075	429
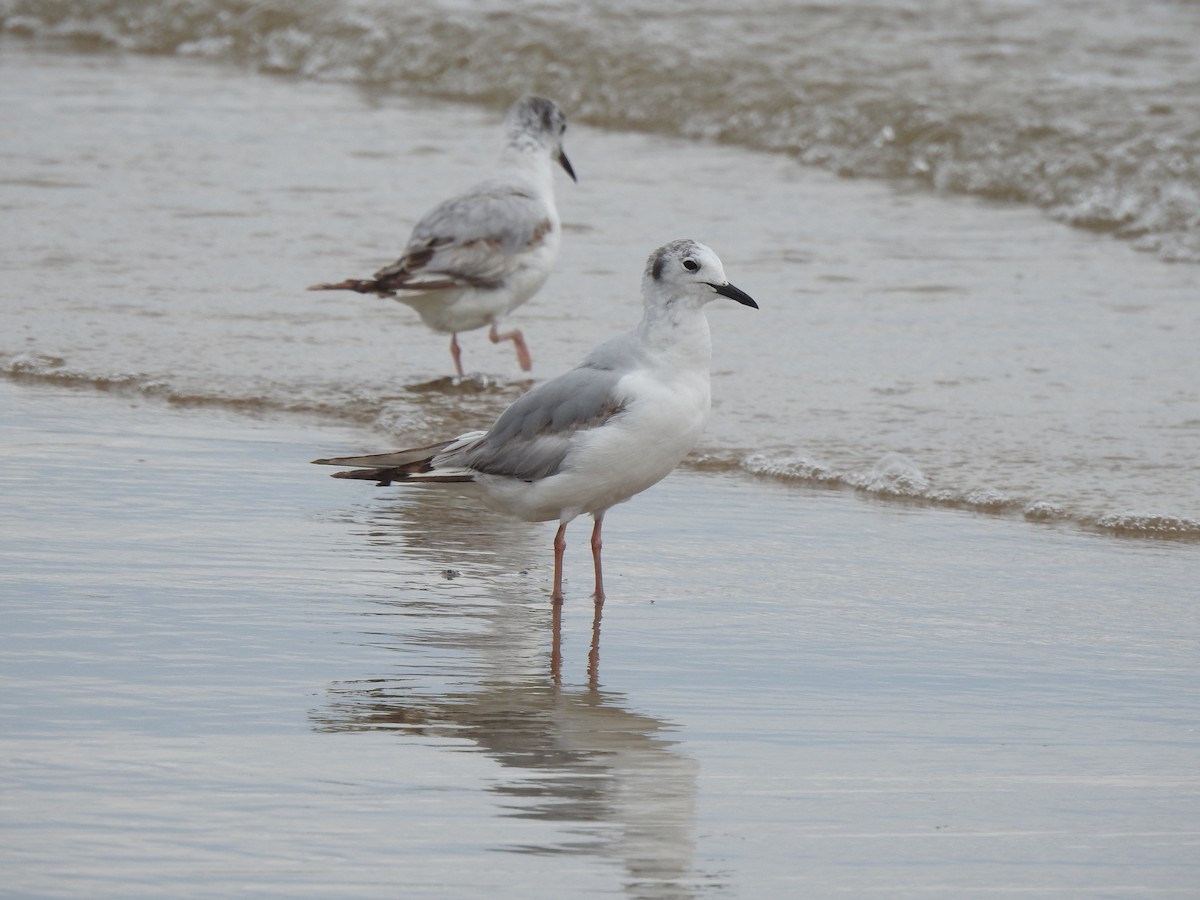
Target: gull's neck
527	156
677	333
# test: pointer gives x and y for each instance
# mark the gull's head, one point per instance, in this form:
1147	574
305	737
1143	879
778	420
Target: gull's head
539	122
689	269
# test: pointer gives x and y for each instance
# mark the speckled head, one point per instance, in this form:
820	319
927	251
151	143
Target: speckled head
539	120
682	267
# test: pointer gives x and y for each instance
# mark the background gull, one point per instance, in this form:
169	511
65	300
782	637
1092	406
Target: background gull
600	433
476	257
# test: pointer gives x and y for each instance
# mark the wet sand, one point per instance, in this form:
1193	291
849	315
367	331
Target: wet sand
226	673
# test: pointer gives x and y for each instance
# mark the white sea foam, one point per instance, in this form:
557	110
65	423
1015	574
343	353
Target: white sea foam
1090	149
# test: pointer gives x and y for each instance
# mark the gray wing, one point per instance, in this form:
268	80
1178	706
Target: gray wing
474	238
532	437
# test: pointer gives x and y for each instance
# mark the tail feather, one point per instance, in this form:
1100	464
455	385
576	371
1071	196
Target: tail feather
404	465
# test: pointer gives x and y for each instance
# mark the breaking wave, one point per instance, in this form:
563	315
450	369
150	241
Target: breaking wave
895	477
1087	113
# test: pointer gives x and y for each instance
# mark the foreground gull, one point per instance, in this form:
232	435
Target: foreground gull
600	433
476	257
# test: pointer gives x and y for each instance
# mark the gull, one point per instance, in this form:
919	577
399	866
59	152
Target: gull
600	433
476	257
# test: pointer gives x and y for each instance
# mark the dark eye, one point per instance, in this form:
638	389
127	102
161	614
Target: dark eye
691	265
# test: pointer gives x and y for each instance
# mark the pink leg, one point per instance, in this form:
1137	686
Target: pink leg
597	544
524	360
560	547
457	354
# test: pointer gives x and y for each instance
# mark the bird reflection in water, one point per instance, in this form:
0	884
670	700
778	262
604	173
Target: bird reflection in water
471	665
593	667
608	778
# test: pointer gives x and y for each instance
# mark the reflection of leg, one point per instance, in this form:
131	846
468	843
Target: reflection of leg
597	545
594	654
556	644
457	354
524	360
560	547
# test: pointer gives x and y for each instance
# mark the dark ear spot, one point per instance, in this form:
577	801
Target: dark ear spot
656	269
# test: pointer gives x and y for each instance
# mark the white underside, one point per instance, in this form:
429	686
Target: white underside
467	308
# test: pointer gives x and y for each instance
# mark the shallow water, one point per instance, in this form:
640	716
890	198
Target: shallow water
877	638
1086	109
160	228
224	673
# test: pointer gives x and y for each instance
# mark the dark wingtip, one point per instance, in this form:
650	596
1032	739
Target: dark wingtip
381	477
350	284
